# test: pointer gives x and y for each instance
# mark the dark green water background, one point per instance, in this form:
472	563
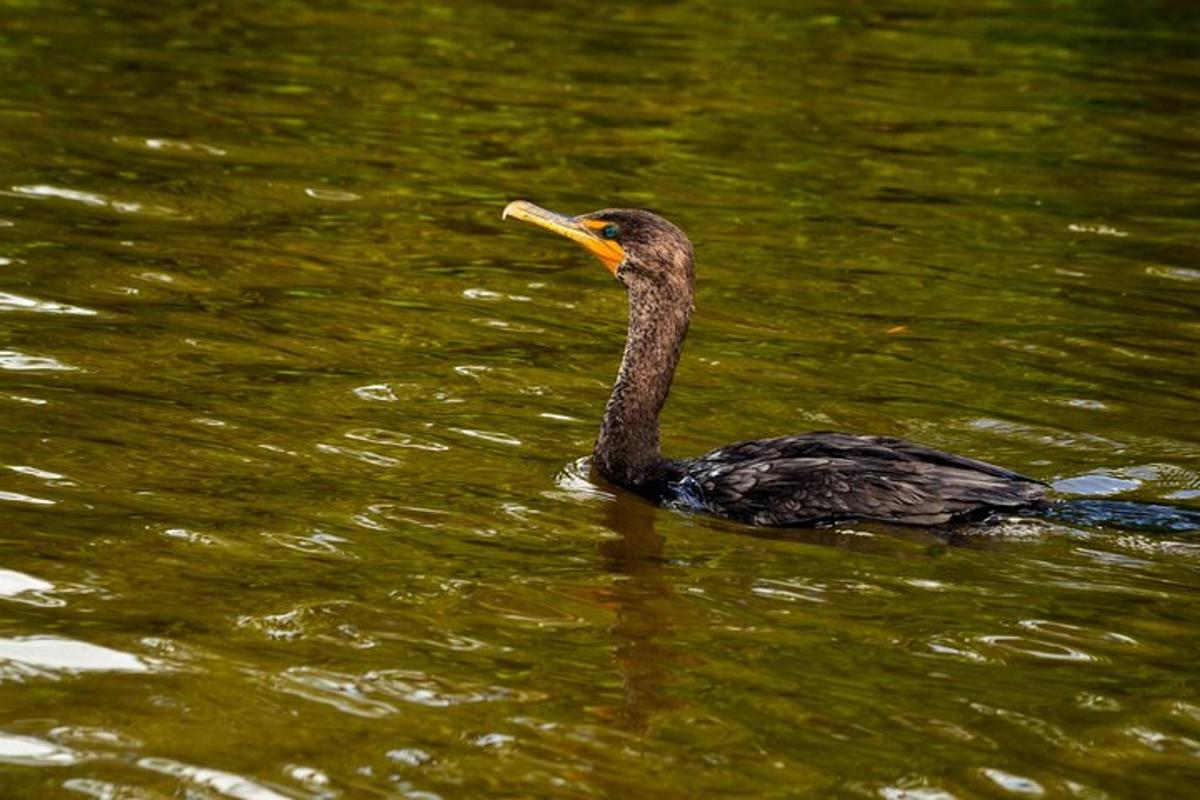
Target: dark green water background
291	499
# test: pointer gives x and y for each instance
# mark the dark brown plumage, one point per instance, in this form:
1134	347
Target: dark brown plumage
803	480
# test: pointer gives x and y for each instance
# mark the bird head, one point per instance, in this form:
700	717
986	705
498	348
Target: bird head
641	250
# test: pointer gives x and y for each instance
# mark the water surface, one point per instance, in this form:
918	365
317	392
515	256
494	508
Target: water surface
290	484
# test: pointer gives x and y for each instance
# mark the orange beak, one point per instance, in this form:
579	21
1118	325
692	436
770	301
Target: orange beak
584	231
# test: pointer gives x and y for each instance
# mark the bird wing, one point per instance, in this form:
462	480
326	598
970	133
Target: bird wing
820	478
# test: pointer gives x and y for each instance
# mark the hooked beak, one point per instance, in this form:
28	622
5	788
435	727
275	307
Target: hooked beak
584	231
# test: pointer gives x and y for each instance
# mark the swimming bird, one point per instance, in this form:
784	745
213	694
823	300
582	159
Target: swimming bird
803	480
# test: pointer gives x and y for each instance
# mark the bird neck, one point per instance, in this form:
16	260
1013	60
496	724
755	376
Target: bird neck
627	449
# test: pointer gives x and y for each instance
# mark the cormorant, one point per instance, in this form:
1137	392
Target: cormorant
804	480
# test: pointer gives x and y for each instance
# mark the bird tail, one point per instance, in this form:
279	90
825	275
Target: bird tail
1150	517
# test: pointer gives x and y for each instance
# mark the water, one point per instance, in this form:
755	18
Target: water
291	489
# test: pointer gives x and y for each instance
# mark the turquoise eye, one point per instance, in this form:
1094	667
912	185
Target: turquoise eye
610	231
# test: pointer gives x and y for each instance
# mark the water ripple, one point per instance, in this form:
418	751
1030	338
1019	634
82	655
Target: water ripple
93	199
378	513
1036	648
16	302
203	778
1077	633
790	590
1017	784
366	456
332	195
1046	731
21	588
324	621
944	647
375	694
338	690
495	437
13	583
915	793
20	362
171	145
317	542
28	751
1174	273
46	655
85	736
1099	483
943	729
1099	230
1161	742
18	497
44	474
410	756
101	790
377	393
574	482
387	438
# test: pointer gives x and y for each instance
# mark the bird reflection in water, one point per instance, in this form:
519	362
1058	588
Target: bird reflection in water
647	611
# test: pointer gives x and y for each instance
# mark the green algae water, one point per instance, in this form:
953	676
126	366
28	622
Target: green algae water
293	498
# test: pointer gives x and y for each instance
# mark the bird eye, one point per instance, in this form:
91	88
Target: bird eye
610	231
